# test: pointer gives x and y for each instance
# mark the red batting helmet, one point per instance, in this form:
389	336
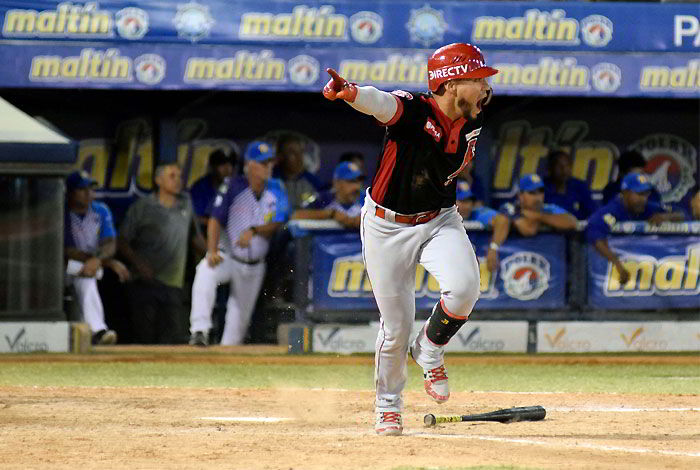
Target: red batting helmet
454	61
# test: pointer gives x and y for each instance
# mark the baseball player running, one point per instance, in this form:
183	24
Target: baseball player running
410	217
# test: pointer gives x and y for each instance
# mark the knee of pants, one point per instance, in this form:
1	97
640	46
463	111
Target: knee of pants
461	298
396	339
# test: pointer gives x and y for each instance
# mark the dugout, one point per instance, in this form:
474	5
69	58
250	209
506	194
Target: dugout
34	157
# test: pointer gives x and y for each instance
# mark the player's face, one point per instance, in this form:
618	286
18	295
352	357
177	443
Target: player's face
80	199
562	169
223	171
470	94
170	180
347	191
465	208
260	171
636	201
292	157
533	200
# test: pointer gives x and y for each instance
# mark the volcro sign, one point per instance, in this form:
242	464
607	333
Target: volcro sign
664	273
582	337
29	337
475	336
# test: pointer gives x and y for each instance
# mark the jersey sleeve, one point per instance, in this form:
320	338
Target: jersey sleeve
509	210
281	214
408	110
554	209
485	215
107	229
599	225
68	240
224	197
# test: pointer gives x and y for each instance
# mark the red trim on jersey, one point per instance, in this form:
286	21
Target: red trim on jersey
452	128
386	168
398	114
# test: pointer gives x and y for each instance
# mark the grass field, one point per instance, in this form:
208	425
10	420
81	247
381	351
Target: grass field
187	408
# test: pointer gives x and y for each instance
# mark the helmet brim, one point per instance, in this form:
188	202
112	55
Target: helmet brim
482	72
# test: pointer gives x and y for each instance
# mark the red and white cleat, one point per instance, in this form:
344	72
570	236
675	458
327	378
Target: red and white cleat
389	423
436	385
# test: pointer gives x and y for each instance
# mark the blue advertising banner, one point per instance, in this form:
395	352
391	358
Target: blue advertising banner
172	66
572	26
664	274
532	275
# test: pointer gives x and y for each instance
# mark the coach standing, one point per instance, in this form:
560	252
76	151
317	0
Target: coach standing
250	209
154	238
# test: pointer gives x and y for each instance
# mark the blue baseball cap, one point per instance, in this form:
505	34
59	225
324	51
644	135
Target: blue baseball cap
636	182
79	180
463	191
530	183
347	171
259	151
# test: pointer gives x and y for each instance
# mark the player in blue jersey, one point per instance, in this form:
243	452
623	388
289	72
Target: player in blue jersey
343	203
250	209
562	189
89	245
530	212
632	204
203	191
499	223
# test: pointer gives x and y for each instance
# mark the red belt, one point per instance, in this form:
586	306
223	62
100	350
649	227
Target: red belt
414	219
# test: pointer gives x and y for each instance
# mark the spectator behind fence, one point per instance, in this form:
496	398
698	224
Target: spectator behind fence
565	191
203	191
343	202
530	212
302	187
89	241
695	206
499	223
475	185
154	239
632	204
251	209
630	161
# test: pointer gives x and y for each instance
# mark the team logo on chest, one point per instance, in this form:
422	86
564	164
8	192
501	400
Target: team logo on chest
433	129
468	155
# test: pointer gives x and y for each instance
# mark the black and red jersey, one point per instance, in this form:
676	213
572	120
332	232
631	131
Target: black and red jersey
423	153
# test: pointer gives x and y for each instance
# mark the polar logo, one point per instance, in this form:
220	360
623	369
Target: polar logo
606	77
525	275
597	30
132	23
671	163
150	68
366	27
303	69
686	26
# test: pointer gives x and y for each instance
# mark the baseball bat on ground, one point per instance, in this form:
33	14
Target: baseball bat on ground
508	415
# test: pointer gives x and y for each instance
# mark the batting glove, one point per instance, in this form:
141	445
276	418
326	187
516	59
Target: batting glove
338	87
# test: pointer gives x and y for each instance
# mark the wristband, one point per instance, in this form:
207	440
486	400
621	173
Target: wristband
494	246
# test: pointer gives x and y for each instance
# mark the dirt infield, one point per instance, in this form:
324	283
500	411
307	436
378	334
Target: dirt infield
90	427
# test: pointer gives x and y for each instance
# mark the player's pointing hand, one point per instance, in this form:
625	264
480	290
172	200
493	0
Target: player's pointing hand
338	87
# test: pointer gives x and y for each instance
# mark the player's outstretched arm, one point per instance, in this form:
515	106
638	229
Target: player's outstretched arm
366	99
